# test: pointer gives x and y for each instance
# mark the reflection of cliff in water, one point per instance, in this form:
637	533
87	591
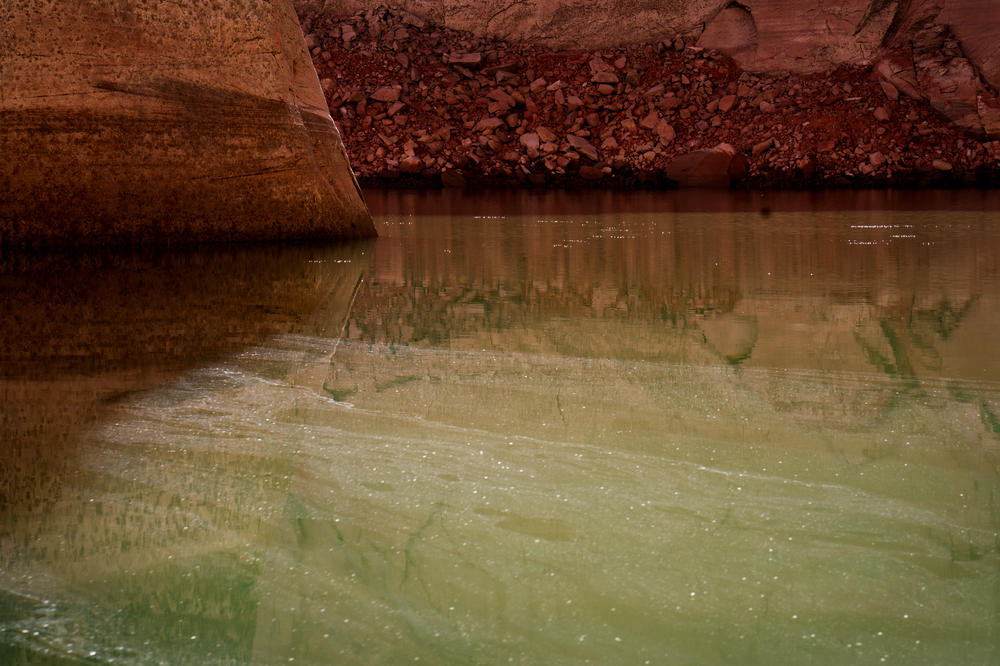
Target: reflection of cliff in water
79	335
132	536
819	318
238	498
841	291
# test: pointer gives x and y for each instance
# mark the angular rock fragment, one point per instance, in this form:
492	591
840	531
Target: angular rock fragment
665	131
530	140
762	147
488	123
650	120
890	90
386	94
545	134
411	165
655	91
500	95
582	146
464	59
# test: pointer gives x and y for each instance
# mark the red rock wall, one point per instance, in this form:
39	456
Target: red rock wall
425	105
950	44
147	121
564	24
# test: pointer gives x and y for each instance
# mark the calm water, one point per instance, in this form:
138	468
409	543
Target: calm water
616	429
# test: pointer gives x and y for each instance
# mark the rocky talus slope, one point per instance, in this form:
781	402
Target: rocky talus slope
421	104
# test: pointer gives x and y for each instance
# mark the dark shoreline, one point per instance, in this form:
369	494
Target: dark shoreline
544	203
986	179
421	106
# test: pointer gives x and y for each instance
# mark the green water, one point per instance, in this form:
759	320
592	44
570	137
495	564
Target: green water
534	429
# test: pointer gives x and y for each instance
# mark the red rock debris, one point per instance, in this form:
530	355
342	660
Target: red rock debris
419	104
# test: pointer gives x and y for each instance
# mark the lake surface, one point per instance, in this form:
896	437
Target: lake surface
609	428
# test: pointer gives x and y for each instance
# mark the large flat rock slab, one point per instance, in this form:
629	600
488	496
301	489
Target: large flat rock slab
149	121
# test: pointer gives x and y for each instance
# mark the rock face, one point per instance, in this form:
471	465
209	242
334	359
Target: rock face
566	24
946	52
529	116
159	122
802	36
942	51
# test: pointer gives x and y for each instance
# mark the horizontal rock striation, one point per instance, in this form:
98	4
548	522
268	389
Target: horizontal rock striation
422	104
166	122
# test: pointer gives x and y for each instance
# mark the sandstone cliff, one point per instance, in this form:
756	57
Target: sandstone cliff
149	121
942	51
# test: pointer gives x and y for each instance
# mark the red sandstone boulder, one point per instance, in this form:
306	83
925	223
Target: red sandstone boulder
703	168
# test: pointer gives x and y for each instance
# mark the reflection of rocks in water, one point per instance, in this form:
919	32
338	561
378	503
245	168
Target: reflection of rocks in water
798	278
806	296
731	336
77	334
159	310
391	494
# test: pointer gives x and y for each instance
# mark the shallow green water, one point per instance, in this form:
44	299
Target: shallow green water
546	429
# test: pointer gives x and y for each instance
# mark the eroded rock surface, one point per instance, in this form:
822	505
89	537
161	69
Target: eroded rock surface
946	52
149	122
555	23
805	36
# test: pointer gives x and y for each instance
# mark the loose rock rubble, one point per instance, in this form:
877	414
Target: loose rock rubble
420	104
